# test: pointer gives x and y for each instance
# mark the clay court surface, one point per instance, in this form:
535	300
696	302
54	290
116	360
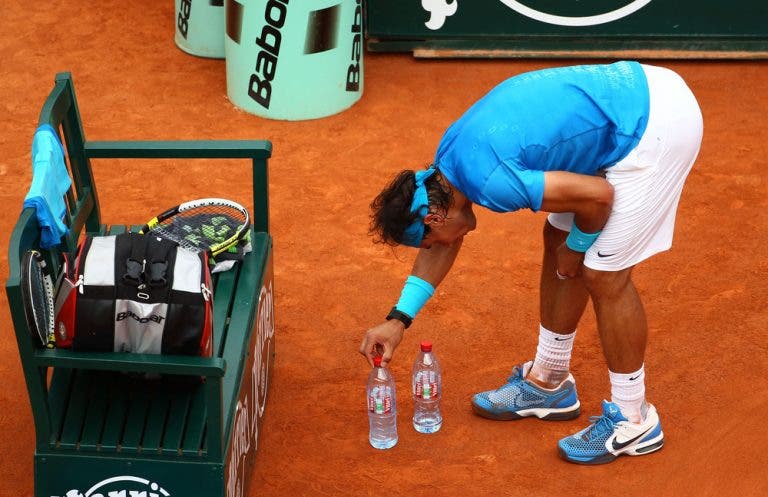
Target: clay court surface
707	359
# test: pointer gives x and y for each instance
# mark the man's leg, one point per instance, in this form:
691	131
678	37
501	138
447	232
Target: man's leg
561	304
623	330
627	426
621	319
544	388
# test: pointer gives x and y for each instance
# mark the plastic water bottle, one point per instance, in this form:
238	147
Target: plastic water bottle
382	407
427	390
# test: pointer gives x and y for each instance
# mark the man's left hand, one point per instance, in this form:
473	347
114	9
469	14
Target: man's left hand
569	262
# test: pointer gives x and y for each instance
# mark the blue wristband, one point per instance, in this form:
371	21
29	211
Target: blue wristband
415	294
578	241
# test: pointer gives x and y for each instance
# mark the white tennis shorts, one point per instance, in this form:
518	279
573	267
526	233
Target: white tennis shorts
649	180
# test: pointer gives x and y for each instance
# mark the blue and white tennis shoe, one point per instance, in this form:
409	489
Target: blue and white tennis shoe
612	435
520	398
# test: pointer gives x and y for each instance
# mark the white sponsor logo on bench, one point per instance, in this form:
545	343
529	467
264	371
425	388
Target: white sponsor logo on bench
250	407
440	9
121	486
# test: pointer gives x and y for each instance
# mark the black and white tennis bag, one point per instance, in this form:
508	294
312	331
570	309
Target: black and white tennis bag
135	293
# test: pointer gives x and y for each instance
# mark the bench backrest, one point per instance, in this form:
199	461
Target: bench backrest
60	110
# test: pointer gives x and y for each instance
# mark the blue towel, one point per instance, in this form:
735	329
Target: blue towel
50	181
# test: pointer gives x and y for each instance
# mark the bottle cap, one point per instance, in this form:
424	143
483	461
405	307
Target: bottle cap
426	346
377	361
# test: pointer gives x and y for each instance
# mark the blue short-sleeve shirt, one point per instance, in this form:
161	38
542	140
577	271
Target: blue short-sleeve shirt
580	119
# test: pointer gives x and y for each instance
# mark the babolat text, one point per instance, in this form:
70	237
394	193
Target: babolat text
268	41
183	21
128	314
353	72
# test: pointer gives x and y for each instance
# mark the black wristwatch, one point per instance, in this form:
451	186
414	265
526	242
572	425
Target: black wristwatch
400	316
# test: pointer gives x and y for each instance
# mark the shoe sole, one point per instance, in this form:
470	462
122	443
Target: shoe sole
562	414
638	450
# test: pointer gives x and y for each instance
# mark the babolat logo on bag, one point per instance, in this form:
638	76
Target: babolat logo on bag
140	319
135	293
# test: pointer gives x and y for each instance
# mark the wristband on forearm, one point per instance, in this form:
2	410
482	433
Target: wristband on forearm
578	241
415	294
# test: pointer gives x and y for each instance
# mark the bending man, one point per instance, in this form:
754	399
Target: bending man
605	149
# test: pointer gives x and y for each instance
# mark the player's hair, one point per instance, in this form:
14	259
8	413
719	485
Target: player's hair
391	209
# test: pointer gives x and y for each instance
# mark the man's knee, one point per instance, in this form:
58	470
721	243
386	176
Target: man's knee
605	283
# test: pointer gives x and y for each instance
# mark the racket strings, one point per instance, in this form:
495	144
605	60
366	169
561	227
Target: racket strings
200	230
40	289
39	298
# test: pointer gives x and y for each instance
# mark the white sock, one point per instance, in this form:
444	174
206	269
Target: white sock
553	355
628	392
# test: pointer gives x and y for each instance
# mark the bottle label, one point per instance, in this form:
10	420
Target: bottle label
380	400
425	385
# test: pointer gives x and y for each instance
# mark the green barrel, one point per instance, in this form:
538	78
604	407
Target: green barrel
200	27
294	60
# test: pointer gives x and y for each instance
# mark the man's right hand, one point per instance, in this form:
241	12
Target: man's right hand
382	340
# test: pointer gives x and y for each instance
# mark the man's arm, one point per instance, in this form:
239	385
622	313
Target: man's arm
590	198
431	265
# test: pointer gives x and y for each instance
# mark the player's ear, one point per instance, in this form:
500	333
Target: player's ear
434	219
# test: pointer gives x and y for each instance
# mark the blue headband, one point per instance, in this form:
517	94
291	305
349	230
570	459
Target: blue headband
414	233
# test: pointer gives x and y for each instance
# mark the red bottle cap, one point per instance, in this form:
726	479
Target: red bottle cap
426	346
377	361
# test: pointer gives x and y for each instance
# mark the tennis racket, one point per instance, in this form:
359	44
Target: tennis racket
37	294
212	225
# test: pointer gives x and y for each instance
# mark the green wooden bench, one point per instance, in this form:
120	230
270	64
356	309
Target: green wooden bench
103	433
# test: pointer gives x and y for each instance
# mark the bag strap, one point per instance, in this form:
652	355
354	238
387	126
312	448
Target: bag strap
133	274
157	252
148	261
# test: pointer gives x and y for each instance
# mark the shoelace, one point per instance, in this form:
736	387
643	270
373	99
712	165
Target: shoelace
515	378
517	374
600	426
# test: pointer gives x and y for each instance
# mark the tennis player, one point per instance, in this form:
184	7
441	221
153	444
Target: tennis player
605	150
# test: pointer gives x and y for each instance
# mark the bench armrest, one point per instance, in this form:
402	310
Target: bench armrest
134	363
182	149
